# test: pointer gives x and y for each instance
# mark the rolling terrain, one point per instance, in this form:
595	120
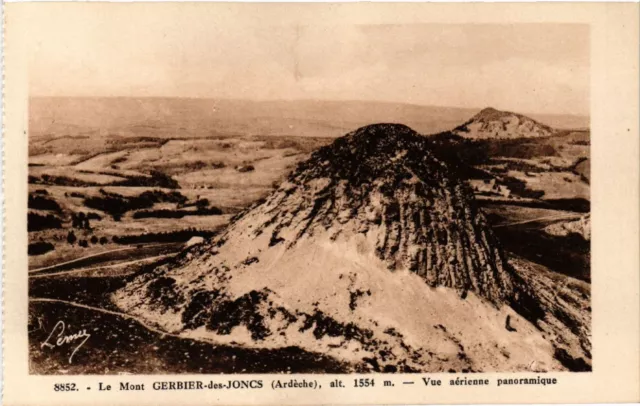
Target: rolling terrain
148	187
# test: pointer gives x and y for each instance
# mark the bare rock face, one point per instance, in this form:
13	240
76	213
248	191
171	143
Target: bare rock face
382	181
371	252
492	123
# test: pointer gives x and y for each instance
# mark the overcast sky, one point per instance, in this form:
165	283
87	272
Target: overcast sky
534	68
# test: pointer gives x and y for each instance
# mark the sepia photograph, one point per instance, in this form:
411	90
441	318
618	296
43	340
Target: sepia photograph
330	203
308	198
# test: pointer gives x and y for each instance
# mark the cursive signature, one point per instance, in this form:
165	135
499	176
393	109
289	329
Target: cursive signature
59	339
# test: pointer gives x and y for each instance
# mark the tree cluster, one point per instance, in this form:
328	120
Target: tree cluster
37	222
117	205
80	220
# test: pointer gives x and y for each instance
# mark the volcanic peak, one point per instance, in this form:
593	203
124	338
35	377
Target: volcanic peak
492	123
383	183
352	243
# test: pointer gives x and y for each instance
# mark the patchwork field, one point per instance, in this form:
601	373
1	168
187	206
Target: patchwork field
148	191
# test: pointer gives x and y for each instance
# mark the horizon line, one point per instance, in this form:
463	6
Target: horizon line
588	115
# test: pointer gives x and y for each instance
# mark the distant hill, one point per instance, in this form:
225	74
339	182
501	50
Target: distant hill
492	123
178	117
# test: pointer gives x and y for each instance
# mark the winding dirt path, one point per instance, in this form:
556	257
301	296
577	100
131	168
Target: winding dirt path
93	256
150	259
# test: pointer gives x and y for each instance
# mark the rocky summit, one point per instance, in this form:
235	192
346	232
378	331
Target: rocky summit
492	123
370	252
